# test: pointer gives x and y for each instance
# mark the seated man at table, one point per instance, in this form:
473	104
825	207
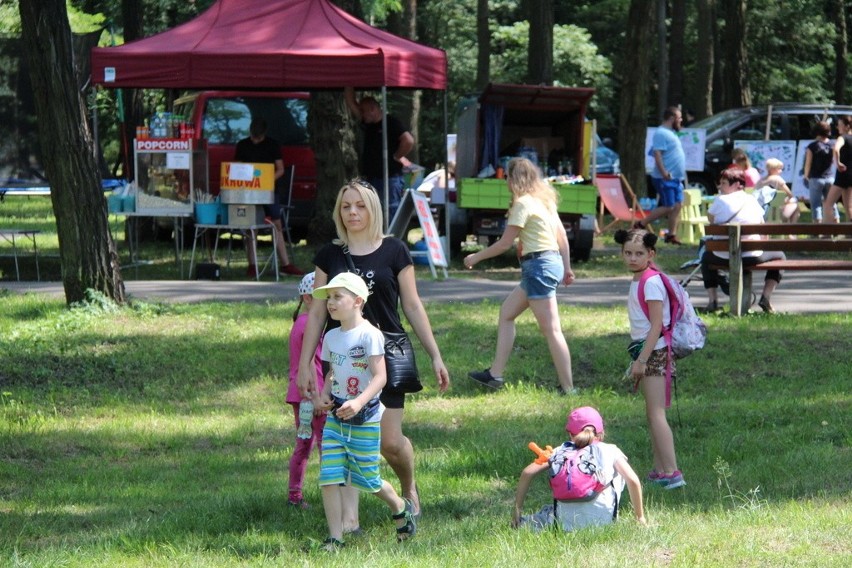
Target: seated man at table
260	149
733	205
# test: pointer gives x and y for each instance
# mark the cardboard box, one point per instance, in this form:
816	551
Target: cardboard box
240	215
544	145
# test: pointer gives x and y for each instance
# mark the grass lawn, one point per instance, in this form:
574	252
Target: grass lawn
157	435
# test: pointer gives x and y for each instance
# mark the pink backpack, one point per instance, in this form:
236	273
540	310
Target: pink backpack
686	331
575	475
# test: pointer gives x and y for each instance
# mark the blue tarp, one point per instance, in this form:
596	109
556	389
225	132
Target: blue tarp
13	186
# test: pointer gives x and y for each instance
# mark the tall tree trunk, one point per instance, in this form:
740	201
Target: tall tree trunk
412	99
706	58
330	128
720	85
662	58
635	87
676	46
86	250
736	56
332	133
483	41
841	51
540	52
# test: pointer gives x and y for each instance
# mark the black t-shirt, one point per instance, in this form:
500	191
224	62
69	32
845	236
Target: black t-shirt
379	269
267	151
372	165
821	159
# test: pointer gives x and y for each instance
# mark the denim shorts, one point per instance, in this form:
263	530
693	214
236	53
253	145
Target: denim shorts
540	276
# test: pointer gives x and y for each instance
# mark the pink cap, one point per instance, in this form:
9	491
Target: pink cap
582	417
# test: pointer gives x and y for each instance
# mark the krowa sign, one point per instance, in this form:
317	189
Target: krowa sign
235	175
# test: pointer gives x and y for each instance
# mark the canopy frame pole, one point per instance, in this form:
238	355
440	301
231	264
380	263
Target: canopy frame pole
447	235
385	160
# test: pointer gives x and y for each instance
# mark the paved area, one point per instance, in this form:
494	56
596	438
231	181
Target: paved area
800	292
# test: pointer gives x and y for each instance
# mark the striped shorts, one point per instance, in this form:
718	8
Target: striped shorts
350	454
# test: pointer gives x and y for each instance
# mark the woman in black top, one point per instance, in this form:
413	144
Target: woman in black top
385	263
819	159
842	187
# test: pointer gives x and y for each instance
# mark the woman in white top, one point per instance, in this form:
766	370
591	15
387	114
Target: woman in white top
733	205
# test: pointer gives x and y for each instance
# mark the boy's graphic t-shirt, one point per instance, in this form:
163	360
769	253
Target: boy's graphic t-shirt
349	354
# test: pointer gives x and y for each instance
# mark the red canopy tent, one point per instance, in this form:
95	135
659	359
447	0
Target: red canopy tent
271	44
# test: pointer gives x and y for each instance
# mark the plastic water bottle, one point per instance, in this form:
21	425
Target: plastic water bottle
306	417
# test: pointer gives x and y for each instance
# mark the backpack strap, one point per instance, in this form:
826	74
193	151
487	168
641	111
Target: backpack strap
666	332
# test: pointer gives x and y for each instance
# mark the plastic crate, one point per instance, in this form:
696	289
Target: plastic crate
488	193
577	198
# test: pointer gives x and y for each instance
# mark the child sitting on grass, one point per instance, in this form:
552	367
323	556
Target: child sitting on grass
610	467
352	436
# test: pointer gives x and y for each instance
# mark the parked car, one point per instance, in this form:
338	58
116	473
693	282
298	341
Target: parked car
786	121
223	119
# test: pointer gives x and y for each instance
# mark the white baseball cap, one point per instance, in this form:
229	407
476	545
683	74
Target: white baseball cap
347	280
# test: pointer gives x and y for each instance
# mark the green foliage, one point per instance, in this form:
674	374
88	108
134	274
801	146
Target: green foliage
791	52
576	62
378	10
81	22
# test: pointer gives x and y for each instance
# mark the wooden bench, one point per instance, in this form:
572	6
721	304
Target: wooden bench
820	238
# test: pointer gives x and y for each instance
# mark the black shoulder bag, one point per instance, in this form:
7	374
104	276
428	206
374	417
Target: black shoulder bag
399	352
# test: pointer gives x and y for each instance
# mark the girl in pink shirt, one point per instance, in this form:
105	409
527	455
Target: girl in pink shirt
303	446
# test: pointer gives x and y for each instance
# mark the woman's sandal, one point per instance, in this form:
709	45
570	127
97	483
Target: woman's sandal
409	529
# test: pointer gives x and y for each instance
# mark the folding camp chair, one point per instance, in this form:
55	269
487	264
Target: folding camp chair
612	189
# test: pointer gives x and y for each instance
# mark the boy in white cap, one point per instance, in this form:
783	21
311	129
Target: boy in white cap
351	437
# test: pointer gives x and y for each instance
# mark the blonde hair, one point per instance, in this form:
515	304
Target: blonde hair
586	436
774	164
524	178
374	208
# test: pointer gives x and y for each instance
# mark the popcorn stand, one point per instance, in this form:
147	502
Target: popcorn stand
169	172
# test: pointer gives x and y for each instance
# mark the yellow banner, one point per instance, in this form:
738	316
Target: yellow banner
237	175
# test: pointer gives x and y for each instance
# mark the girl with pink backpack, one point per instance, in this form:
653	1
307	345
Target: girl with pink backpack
587	477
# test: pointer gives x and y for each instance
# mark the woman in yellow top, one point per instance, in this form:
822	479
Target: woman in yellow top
545	262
